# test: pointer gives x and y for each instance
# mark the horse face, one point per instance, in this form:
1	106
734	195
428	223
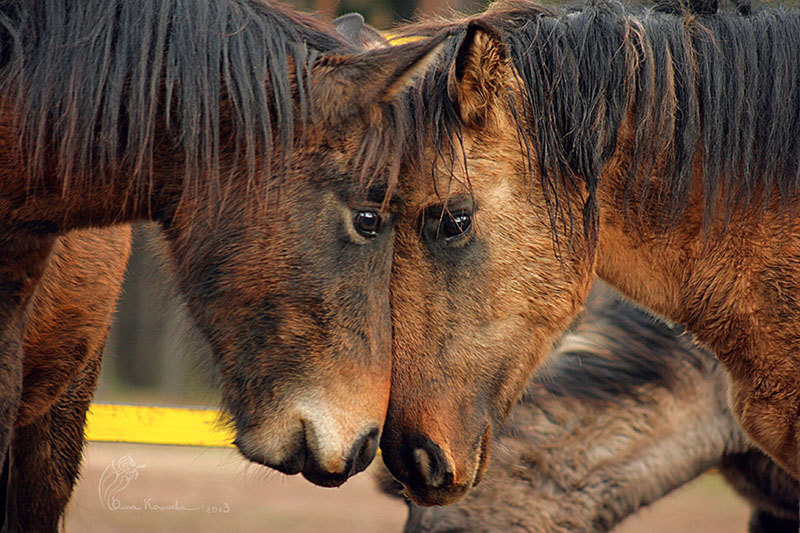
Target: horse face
296	303
478	295
292	291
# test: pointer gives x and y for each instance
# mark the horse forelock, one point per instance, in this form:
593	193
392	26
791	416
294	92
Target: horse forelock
95	81
719	93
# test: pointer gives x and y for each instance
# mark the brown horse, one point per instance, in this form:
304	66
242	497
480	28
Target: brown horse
68	322
268	166
625	410
658	151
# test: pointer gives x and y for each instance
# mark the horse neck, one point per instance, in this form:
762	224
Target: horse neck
709	275
106	140
637	260
649	262
47	203
691	273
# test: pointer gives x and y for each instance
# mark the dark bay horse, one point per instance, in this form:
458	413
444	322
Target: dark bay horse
70	314
656	150
625	410
269	166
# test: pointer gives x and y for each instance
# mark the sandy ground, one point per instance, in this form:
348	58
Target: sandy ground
186	489
195	490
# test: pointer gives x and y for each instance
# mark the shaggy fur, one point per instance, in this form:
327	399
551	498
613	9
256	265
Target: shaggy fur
94	77
716	89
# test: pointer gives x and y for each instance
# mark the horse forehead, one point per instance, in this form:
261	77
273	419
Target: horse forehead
484	176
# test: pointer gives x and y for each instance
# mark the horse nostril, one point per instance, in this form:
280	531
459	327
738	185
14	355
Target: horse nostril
363	451
427	462
423	463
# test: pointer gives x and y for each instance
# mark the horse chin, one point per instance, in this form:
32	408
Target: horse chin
289	464
430	496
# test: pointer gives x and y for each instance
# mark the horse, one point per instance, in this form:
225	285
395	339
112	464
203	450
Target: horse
264	147
625	410
654	150
70	315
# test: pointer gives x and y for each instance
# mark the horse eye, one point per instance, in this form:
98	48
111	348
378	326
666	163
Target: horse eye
367	223
455	225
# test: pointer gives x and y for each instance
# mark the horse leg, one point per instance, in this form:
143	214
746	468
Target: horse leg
764	395
46	456
4	488
10	394
10	373
22	262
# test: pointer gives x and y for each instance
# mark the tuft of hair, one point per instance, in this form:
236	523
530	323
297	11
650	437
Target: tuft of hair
95	82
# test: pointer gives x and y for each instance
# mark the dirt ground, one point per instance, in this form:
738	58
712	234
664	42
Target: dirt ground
144	488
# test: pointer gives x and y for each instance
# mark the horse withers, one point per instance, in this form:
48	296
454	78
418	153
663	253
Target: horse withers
268	160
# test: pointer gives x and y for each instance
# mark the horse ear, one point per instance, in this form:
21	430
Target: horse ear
479	74
346	85
358	33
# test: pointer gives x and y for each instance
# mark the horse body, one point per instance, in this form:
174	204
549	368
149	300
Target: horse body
635	145
626	410
268	170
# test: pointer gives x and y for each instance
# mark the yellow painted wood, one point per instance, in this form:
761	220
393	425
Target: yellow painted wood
395	40
157	425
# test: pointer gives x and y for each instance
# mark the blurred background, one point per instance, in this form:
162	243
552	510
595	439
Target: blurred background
384	13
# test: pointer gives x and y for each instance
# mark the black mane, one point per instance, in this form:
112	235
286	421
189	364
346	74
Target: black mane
93	79
721	90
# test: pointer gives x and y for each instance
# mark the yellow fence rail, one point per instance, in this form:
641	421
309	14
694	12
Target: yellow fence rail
157	425
396	40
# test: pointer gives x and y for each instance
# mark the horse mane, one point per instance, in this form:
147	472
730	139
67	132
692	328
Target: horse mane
721	91
92	80
618	351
